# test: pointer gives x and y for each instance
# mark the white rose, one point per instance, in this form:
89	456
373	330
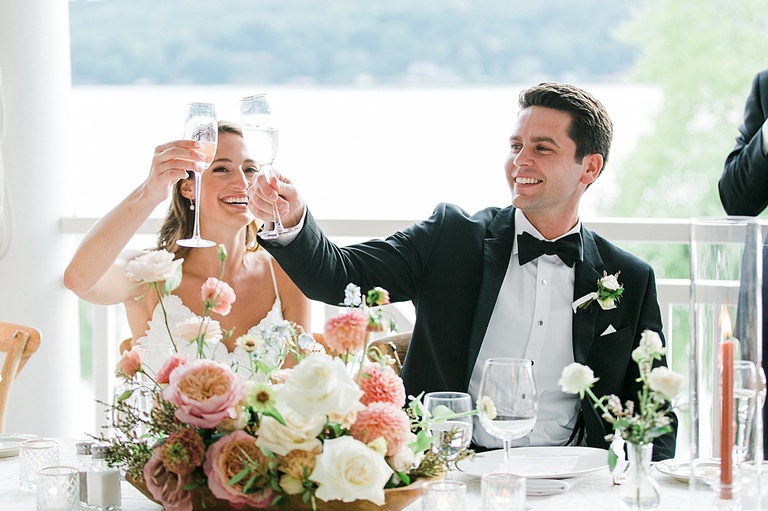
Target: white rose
610	282
189	329
405	458
651	341
298	433
665	382
348	470
320	385
576	378
152	266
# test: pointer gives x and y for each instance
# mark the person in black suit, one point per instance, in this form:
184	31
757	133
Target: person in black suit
475	296
743	185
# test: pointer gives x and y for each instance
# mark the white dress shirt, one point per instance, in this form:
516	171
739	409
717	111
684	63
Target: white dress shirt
532	319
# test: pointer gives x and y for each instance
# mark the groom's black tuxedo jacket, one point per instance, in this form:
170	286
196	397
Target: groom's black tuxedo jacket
451	267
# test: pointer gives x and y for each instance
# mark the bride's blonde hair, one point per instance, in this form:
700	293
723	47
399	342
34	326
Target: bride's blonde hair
180	220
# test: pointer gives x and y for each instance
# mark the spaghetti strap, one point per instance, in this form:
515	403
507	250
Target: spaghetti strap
274	280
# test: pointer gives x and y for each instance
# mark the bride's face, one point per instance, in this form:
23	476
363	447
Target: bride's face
225	182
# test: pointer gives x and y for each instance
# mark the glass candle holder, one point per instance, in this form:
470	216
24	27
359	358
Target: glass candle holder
443	496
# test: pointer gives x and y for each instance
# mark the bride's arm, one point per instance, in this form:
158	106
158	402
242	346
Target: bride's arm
97	270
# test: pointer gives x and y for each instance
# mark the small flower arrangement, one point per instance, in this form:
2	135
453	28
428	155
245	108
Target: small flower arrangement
661	387
608	293
316	431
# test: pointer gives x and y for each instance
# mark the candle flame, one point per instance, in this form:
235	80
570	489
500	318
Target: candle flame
726	330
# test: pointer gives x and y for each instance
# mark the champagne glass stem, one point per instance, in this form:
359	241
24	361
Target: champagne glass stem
278	227
505	461
198	180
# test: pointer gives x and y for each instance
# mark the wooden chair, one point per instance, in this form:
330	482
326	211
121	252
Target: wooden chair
18	342
396	346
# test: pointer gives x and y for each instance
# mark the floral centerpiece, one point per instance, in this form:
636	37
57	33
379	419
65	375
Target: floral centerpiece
334	427
638	425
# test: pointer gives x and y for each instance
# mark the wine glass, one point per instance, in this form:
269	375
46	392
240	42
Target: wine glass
260	136
509	384
452	436
201	126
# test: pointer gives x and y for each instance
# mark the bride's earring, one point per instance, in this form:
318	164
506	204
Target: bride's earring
191	204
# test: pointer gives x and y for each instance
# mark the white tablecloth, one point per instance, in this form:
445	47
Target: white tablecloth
593	493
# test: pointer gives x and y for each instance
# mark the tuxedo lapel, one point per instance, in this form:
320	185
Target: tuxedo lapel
588	272
497	250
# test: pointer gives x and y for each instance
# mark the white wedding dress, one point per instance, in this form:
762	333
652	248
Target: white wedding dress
157	345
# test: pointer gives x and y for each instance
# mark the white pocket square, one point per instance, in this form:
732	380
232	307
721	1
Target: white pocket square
608	330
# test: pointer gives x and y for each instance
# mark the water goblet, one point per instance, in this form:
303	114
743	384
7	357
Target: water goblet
453	434
509	384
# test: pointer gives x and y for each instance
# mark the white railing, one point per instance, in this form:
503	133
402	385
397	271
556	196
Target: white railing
108	332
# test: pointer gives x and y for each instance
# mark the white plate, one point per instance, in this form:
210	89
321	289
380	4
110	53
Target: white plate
681	469
9	444
540	462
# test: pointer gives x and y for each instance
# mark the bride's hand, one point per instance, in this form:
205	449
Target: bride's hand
170	164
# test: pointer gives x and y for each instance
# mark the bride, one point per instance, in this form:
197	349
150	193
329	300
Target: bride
265	295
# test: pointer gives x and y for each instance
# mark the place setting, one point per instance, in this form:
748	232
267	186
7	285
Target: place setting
509	412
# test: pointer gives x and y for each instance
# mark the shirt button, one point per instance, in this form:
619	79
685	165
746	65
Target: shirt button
541	322
543	282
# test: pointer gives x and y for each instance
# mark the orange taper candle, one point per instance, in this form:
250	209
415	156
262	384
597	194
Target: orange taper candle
727	409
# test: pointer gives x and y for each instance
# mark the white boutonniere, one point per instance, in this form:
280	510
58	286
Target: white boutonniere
608	293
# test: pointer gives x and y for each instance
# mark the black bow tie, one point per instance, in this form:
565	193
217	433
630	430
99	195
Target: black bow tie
567	248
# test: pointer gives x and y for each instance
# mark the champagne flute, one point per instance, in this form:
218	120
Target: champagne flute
509	384
201	126
452	435
260	136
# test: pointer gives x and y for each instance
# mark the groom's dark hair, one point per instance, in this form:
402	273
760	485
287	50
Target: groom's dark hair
591	128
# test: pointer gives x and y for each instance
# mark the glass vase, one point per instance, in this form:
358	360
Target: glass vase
639	491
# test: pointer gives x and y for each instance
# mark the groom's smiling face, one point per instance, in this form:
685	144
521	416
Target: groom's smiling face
545	178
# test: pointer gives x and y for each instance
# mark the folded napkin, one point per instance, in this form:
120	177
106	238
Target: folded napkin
550	486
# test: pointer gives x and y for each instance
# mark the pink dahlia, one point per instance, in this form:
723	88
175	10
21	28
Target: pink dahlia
206	392
381	384
167	486
218	295
226	459
382	420
347	332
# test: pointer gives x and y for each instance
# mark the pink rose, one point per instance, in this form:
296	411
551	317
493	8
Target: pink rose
217	295
347	332
228	457
129	363
163	375
167	486
205	392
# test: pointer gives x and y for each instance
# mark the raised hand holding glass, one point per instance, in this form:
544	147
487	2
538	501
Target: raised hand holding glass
260	136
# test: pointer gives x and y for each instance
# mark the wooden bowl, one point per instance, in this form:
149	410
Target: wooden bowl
396	500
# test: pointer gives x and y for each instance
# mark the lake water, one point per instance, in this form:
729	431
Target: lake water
354	152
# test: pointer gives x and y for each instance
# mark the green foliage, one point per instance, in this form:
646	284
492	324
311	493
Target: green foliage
345	41
703	54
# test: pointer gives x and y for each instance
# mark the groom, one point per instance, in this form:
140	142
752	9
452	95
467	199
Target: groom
501	282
